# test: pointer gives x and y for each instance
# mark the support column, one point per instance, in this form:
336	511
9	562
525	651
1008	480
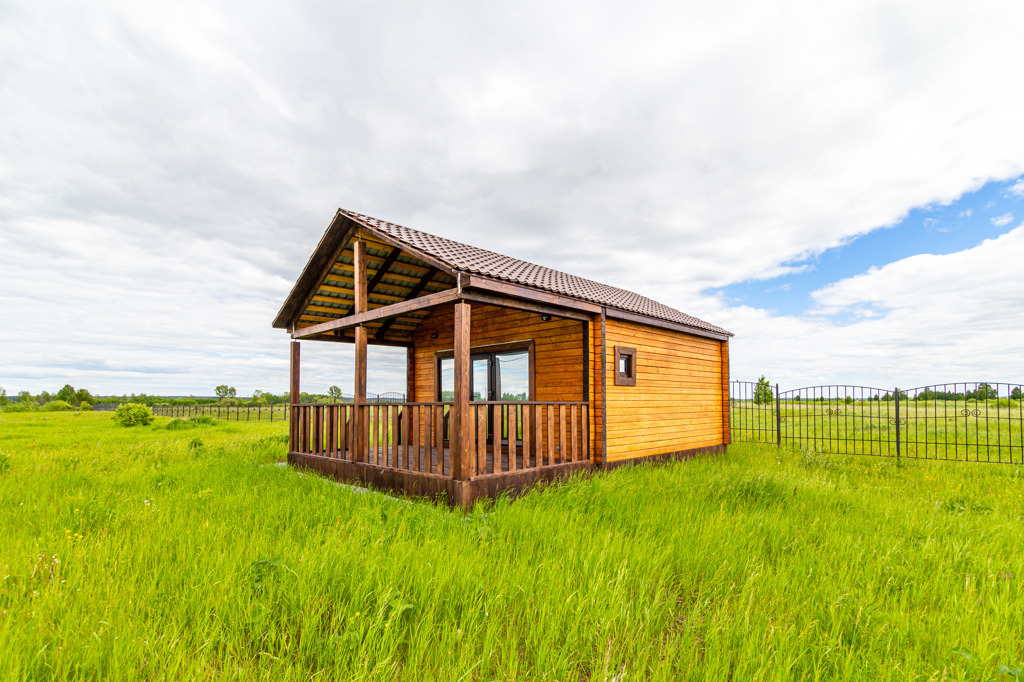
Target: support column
361	415
293	398
410	375
604	389
460	437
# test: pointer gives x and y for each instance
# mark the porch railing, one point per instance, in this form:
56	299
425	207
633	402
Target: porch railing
414	436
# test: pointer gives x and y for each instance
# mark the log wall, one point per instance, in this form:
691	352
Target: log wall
558	348
678	402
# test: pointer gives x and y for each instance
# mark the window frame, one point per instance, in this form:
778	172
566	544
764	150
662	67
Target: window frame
494	348
627	378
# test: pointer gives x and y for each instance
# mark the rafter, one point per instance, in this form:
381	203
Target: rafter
415	292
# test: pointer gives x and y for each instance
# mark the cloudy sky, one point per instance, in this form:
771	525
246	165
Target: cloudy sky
839	185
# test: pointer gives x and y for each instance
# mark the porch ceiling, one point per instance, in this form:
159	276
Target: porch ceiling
394	276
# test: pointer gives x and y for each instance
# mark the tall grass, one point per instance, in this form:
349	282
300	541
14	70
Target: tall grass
151	553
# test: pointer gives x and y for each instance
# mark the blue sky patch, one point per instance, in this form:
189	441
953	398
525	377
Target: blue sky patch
993	210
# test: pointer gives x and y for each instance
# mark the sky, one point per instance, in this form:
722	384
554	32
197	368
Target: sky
838	184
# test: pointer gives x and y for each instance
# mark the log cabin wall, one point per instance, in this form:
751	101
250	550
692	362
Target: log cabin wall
677	403
558	348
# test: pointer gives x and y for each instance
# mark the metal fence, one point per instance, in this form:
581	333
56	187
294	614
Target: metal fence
965	422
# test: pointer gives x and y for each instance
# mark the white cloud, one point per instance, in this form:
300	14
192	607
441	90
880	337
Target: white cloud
920	320
1017	189
165	170
1002	220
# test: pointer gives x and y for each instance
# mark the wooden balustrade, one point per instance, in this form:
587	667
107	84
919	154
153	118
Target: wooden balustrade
506	436
545	434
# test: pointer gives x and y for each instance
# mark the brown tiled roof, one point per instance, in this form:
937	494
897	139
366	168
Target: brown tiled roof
472	260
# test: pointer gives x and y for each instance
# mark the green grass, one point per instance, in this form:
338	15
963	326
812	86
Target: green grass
150	553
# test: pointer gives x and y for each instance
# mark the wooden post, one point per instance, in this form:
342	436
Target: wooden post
359	282
726	405
604	389
461	423
410	374
293	396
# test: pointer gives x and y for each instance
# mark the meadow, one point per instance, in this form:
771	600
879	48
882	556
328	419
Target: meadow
156	553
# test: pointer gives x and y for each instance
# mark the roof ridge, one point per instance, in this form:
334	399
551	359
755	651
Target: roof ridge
477	260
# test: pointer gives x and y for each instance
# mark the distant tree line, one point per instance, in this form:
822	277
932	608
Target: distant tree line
765	395
69	398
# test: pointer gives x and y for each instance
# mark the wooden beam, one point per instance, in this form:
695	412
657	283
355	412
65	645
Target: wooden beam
410	375
665	324
604	391
586	363
293	395
517	304
294	373
726	420
382	313
331	245
397	343
359	275
461	422
359	399
413	296
382	270
412	251
531	294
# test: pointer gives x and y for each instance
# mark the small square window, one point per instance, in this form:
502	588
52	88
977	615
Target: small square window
625	366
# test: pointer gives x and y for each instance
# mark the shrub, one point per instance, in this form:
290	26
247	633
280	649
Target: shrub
18	407
85	406
133	414
57	406
178	423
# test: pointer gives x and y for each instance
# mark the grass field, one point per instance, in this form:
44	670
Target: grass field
986	431
149	553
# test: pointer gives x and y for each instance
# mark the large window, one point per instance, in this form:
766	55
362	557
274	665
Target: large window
496	375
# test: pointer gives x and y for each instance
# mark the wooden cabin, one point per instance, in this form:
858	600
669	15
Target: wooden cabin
516	372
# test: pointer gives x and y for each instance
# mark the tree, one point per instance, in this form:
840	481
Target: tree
67	394
986	392
763	394
3	396
224	391
24	397
1016	393
258	397
83	396
334	393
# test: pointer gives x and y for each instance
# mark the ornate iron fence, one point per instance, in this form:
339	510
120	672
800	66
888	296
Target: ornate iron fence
964	422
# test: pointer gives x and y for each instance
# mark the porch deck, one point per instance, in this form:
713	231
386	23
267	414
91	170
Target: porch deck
404	447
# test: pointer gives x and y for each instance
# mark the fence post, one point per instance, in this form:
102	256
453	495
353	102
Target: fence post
897	396
778	418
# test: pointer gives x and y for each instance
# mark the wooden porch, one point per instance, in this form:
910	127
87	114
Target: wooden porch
407	447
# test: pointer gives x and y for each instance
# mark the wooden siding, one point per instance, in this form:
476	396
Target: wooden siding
558	348
678	401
